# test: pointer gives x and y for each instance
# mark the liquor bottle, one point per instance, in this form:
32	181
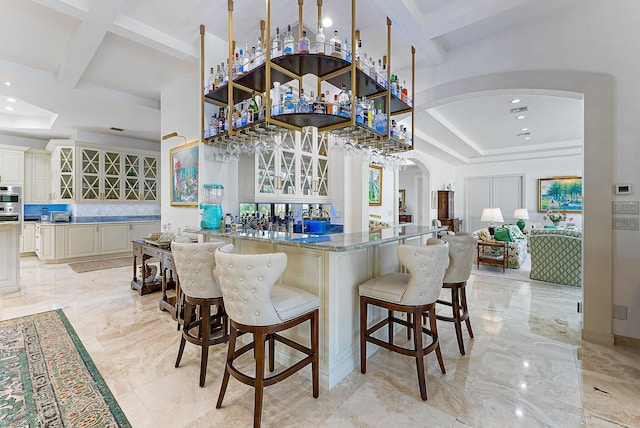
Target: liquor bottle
359	111
221	75
276	104
394	85
384	71
346	50
379	72
319	105
213	125
210	82
216	78
240	60
364	65
344	101
358	53
288	41
326	103
301	106
246	59
320	41
234	67
289	104
393	133
255	105
310	103
276	45
252	61
405	92
335	106
225	73
244	114
259	53
303	43
335	45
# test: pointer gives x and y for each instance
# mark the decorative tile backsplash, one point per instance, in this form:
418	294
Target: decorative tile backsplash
93	210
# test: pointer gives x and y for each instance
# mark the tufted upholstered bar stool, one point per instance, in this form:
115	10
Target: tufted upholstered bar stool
255	305
461	250
415	294
195	265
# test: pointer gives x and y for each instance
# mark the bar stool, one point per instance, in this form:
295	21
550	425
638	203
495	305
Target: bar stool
195	265
461	249
255	305
414	294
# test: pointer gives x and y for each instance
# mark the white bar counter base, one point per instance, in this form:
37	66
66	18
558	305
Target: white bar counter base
332	267
9	257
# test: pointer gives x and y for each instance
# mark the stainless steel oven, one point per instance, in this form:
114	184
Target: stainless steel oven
11	207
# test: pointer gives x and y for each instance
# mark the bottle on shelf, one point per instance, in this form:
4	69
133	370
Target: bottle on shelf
240	62
289	104
303	43
253	58
335	106
302	105
276	104
288	41
359	111
319	45
276	45
310	103
244	115
225	72
344	101
335	45
216	78
358	53
346	50
260	57
246	59
319	105
256	106
210	82
383	76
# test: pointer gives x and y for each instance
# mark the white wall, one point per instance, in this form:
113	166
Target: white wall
533	169
24	142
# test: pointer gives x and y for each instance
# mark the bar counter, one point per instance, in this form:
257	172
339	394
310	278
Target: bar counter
331	267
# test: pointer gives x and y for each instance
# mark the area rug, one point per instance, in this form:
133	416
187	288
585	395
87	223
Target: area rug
47	379
93	265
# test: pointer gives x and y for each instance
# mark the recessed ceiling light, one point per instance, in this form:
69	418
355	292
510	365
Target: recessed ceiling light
527	138
9	108
327	22
524	129
520	117
12	100
7	83
515	101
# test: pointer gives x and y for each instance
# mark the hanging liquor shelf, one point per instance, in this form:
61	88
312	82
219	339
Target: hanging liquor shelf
363	114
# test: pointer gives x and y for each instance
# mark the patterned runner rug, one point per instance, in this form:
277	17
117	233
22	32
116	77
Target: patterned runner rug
47	379
92	265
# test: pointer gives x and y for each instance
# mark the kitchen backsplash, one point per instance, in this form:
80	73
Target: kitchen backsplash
93	210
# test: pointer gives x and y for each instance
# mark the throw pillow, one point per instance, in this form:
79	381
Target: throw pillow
502	234
515	232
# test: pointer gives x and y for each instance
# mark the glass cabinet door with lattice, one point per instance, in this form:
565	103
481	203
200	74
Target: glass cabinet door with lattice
131	177
63	174
150	177
99	175
314	165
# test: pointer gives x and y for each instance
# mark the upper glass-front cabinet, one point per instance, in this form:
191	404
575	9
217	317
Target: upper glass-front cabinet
90	174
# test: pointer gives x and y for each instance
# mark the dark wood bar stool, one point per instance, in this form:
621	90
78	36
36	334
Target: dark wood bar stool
195	265
256	306
414	294
461	249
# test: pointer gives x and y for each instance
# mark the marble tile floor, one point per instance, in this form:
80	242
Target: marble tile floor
526	366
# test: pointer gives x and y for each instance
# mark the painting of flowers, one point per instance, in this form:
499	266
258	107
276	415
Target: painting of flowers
183	161
561	194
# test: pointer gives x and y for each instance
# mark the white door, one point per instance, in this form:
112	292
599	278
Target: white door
478	198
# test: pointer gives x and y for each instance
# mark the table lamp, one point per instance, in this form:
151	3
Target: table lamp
491	215
521	214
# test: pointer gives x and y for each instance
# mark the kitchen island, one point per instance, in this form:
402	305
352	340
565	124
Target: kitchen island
331	267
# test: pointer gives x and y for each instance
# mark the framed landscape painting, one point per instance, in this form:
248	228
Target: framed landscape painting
183	165
375	185
560	194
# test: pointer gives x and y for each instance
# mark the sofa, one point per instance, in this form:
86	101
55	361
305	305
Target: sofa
517	245
556	256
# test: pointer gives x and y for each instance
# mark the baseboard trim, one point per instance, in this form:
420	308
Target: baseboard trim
598	337
629	342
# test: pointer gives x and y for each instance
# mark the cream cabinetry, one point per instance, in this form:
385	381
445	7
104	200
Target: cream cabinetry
12	165
9	258
37	177
28	238
298	171
88	173
57	242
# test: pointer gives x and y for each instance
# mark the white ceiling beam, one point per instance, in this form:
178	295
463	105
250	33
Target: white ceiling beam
410	22
455	131
76	8
461	13
86	41
439	145
145	35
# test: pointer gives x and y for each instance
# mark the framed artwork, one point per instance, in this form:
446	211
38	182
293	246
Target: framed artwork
560	194
183	167
375	185
402	200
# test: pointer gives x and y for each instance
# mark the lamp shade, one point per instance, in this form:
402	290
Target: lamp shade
492	214
521	213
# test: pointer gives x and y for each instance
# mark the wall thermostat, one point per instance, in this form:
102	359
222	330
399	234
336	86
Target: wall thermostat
623	189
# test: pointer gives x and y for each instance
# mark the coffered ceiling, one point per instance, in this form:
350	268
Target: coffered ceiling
89	65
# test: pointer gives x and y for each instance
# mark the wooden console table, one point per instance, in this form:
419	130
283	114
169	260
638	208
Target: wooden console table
500	258
146	251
